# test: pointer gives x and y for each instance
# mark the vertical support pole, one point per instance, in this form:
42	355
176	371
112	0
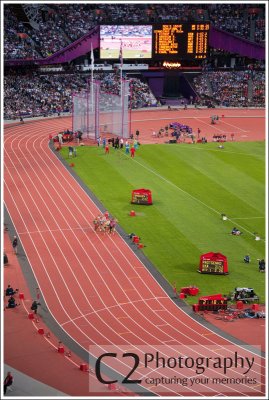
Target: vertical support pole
87	130
73	112
130	110
122	104
97	99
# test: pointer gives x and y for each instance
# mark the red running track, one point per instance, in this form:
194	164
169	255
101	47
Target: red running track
94	285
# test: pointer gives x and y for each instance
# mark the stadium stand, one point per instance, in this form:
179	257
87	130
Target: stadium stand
231	88
59	25
38	31
43	95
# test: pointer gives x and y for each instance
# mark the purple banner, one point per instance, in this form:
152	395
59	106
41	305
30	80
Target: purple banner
219	39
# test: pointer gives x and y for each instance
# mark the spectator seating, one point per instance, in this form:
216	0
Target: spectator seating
61	24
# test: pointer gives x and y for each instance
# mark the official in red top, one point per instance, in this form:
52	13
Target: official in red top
132	151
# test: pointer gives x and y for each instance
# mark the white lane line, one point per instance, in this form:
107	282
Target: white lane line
55	230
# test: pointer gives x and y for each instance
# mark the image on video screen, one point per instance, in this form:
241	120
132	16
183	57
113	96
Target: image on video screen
136	41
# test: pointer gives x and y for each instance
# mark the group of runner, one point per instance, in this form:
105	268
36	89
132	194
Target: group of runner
103	223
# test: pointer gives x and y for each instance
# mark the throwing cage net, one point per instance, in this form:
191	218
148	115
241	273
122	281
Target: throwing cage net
96	111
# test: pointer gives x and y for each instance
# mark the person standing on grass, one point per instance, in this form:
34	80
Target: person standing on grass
136	144
107	149
127	147
15	245
8	381
132	151
117	143
70	152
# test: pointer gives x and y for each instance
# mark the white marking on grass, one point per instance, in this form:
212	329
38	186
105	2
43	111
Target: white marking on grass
218	150
190	195
250	218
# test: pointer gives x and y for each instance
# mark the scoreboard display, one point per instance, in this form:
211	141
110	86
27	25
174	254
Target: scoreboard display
184	41
212	267
164	42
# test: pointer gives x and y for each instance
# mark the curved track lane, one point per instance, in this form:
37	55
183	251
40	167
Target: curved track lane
94	285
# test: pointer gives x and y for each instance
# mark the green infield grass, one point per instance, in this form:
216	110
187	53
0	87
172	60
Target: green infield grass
192	185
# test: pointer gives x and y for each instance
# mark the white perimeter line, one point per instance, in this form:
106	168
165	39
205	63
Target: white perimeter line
217	129
183	117
234	126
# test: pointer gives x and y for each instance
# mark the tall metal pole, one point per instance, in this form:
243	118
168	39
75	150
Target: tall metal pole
92	69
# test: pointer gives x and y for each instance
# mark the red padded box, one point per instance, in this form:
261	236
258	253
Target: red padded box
193	291
61	349
239	305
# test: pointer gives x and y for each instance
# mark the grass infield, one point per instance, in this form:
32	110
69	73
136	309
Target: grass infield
191	186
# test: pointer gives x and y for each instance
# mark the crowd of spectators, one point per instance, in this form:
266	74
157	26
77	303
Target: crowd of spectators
202	85
238	19
41	95
49	38
61	24
231	88
17	43
141	95
33	95
258	88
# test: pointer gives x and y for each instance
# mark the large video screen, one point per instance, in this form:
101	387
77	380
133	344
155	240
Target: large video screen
136	41
182	41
